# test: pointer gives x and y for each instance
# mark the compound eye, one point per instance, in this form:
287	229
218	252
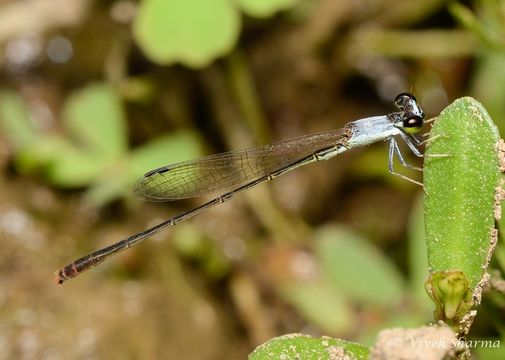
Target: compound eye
413	123
403	99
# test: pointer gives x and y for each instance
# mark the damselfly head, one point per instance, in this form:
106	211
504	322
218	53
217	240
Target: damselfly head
413	115
403	100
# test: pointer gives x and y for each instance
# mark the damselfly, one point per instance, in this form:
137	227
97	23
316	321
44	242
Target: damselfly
237	171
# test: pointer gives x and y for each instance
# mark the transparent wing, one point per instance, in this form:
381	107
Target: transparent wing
226	171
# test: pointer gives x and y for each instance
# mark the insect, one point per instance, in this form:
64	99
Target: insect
237	171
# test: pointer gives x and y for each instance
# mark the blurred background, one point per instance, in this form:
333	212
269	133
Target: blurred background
95	93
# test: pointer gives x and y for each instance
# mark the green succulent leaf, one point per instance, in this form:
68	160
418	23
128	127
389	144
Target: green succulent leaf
460	187
461	174
298	346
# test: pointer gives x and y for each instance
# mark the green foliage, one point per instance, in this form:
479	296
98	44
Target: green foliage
320	302
353	271
491	353
194	33
418	259
459	203
94	119
16	120
487	24
94	152
264	8
297	346
170	30
358	269
193	244
489	84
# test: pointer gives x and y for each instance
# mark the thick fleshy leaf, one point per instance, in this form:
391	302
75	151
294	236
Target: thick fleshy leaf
191	31
459	207
298	346
460	189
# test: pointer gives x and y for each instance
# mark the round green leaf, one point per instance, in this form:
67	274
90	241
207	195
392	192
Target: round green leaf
264	8
192	32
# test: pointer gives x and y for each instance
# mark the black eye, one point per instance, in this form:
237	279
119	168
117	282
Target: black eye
403	99
413	123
